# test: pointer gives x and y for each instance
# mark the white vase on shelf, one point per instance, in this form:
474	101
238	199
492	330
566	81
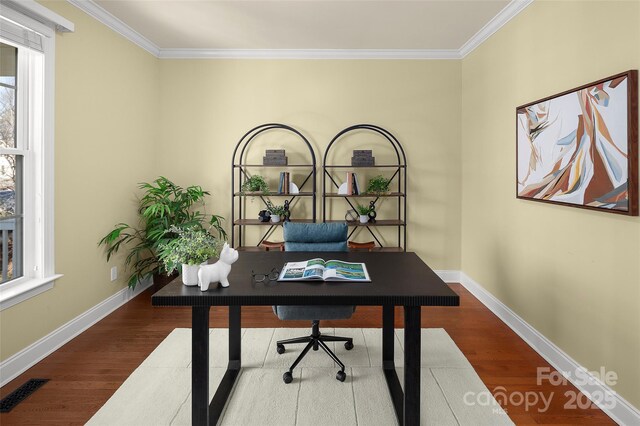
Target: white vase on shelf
190	274
364	218
275	218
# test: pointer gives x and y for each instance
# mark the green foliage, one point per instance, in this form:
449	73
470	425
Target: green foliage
378	185
255	183
191	246
363	210
163	205
275	210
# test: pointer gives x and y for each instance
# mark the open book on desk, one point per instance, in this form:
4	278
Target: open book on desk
330	270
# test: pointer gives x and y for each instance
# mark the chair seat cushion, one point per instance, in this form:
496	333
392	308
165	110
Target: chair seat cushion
312	313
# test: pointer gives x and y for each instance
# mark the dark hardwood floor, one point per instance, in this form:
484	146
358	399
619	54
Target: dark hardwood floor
86	371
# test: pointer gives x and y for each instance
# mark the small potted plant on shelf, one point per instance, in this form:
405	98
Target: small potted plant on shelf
363	211
378	185
276	212
255	184
192	247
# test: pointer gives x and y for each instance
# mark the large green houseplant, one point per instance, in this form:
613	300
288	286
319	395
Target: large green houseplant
163	205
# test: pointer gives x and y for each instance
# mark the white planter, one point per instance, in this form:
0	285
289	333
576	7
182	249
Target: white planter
364	218
190	274
275	218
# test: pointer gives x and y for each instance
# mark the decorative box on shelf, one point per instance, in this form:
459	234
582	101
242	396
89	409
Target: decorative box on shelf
363	157
274	157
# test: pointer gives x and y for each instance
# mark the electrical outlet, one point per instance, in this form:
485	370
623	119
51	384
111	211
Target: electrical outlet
114	273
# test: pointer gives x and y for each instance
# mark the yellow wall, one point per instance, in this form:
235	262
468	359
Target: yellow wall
207	105
106	126
572	274
123	117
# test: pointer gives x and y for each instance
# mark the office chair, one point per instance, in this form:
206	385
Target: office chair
315	237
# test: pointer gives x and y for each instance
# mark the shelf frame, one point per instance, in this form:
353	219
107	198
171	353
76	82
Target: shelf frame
240	172
399	176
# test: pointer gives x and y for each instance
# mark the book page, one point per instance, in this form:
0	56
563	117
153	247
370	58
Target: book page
314	269
308	269
293	271
339	270
313	273
315	263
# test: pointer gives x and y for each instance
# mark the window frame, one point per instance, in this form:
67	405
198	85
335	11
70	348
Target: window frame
36	122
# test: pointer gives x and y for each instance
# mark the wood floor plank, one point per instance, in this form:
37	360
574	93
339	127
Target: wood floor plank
87	371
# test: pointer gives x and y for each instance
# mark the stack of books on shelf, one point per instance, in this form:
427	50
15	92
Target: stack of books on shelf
362	157
284	183
274	157
353	187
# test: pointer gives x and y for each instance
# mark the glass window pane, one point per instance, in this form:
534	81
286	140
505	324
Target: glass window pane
11	217
8	72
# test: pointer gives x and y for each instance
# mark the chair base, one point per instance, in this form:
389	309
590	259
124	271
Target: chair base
315	341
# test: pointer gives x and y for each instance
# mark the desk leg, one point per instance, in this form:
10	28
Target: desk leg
388	336
233	368
235	332
412	346
388	363
200	365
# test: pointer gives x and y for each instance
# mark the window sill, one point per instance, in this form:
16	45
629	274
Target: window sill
23	291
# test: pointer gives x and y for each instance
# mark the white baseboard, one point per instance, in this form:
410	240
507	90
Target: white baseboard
620	410
18	363
448	276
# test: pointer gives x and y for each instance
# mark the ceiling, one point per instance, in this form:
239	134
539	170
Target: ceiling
267	25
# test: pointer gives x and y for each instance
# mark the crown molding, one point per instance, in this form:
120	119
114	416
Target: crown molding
309	54
498	21
504	16
92	9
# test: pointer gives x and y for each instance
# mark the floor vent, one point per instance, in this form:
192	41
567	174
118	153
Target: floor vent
17	396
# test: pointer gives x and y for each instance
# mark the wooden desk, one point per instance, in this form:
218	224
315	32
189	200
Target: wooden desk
397	279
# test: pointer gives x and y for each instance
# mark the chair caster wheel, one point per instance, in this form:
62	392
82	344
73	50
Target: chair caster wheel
341	376
348	345
280	349
288	377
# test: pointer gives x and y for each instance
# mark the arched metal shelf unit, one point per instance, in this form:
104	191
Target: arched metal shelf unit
241	171
398	180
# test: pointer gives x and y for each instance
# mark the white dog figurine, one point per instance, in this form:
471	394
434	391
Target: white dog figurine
219	271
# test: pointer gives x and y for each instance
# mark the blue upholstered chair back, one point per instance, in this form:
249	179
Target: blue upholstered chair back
315	236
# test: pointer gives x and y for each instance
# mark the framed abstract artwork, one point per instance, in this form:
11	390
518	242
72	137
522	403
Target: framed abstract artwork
580	148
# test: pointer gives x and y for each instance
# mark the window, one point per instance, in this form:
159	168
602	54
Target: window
12	163
26	151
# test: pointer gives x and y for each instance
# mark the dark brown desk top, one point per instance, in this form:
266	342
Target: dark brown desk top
396	279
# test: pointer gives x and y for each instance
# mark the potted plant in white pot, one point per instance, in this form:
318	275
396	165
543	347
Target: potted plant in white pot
192	247
363	211
276	212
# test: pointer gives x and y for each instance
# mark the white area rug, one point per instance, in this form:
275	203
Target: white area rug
159	391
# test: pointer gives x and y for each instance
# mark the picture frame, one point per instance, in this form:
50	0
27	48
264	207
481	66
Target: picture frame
579	148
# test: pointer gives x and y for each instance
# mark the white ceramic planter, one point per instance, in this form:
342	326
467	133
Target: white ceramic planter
364	218
190	274
275	218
